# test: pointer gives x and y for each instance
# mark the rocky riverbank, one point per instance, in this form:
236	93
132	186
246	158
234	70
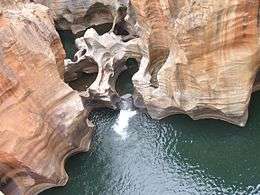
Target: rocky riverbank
195	57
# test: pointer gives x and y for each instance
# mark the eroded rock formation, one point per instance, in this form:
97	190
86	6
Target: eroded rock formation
203	57
107	55
78	15
42	120
196	57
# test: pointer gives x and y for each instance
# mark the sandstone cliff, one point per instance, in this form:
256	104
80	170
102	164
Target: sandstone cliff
42	120
204	56
200	57
196	57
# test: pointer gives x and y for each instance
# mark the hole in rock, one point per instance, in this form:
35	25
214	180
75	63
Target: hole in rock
86	77
124	82
83	82
103	28
195	155
121	29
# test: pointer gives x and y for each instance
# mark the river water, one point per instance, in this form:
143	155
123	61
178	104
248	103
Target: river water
134	154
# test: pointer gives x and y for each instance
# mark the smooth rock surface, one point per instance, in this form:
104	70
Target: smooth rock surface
203	57
200	57
77	15
42	120
105	54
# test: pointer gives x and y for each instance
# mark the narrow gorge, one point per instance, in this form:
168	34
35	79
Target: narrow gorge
131	76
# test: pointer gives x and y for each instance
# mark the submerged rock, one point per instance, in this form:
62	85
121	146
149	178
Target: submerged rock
42	120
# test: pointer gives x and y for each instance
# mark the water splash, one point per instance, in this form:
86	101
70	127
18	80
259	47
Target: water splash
122	122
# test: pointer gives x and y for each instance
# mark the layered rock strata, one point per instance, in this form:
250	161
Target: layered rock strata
196	57
42	120
203	57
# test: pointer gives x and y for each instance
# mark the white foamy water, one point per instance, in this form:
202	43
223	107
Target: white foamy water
120	127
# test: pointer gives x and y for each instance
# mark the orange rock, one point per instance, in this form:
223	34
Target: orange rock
203	57
42	120
200	57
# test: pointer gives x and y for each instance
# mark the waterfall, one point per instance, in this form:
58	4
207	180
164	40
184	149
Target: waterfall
126	113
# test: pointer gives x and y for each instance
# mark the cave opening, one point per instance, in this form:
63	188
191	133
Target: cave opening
119	29
83	82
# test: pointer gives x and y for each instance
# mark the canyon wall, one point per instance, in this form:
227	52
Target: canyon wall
195	57
42	120
78	15
200	57
203	57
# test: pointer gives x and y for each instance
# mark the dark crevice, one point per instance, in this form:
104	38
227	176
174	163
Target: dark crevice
124	84
100	29
103	28
121	29
257	82
98	14
83	82
68	41
84	79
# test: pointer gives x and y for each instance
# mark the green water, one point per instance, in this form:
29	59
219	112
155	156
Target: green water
173	156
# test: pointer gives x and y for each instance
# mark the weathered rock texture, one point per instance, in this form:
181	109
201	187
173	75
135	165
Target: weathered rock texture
107	55
203	57
42	120
77	15
199	58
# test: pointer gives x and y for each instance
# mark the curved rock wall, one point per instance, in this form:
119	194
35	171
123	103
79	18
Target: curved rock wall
196	57
203	57
42	120
105	54
77	15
